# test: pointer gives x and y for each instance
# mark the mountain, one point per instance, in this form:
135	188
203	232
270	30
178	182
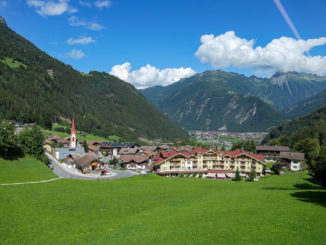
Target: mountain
37	87
207	106
281	91
308	105
311	126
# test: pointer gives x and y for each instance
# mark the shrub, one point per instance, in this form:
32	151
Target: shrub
181	175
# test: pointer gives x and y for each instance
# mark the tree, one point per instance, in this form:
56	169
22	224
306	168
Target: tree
252	175
223	148
85	146
310	147
8	139
31	141
319	167
237	175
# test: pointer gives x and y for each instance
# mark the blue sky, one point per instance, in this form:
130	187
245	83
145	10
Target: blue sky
167	34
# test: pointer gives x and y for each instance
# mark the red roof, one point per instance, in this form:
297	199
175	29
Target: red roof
238	152
201	150
73	130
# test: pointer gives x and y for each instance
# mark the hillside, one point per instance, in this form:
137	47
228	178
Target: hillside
312	125
207	106
281	91
37	87
308	105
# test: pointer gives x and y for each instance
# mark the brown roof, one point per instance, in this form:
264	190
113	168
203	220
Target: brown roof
95	142
292	156
93	148
134	158
150	153
272	148
128	151
148	148
85	160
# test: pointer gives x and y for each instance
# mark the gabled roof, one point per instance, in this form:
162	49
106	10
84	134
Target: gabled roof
148	147
201	150
134	158
272	148
239	152
128	151
86	160
292	156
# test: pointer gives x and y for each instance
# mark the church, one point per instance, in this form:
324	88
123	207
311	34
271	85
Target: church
74	147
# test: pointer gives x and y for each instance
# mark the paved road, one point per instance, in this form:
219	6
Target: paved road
34	182
64	172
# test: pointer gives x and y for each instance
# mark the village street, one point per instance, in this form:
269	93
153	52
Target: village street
65	172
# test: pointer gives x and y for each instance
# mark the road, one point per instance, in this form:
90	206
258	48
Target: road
64	172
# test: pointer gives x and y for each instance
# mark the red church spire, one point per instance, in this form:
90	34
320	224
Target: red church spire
73	130
73	136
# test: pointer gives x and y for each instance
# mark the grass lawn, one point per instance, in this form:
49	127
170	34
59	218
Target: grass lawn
23	170
155	210
233	140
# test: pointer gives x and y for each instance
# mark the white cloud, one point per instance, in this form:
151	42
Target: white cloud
51	8
91	25
283	54
85	3
3	4
148	76
102	4
80	40
74	54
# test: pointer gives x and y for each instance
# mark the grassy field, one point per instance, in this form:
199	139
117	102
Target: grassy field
79	137
233	140
155	210
23	170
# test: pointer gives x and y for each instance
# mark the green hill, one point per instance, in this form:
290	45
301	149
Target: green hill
312	126
37	87
308	105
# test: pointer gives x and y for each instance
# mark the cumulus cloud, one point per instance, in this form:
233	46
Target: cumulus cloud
80	40
51	8
3	4
283	54
91	25
148	76
74	54
85	3
102	4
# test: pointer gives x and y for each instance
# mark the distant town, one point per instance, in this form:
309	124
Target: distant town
226	139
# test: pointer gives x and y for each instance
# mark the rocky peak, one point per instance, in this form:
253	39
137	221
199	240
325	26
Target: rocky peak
2	21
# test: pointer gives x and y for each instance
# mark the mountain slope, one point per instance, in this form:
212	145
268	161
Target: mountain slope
312	125
207	106
37	87
308	105
281	91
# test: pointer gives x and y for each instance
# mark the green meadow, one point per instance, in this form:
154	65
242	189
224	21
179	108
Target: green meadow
150	209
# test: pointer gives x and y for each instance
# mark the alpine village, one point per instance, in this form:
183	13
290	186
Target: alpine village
159	156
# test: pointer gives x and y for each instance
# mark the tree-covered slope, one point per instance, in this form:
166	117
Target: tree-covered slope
312	125
207	106
37	87
308	105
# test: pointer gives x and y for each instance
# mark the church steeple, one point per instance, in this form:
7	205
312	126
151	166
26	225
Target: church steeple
73	140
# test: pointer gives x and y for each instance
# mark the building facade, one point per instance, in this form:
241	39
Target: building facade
204	161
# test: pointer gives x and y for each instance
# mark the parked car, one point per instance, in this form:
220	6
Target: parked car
105	172
143	172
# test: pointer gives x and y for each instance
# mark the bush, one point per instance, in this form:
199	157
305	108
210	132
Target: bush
181	175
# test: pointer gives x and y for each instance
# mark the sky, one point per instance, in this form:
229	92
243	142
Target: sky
156	42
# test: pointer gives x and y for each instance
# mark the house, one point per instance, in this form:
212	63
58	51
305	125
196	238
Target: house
62	153
134	162
204	161
271	153
114	148
148	148
89	163
128	151
94	145
47	147
292	160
